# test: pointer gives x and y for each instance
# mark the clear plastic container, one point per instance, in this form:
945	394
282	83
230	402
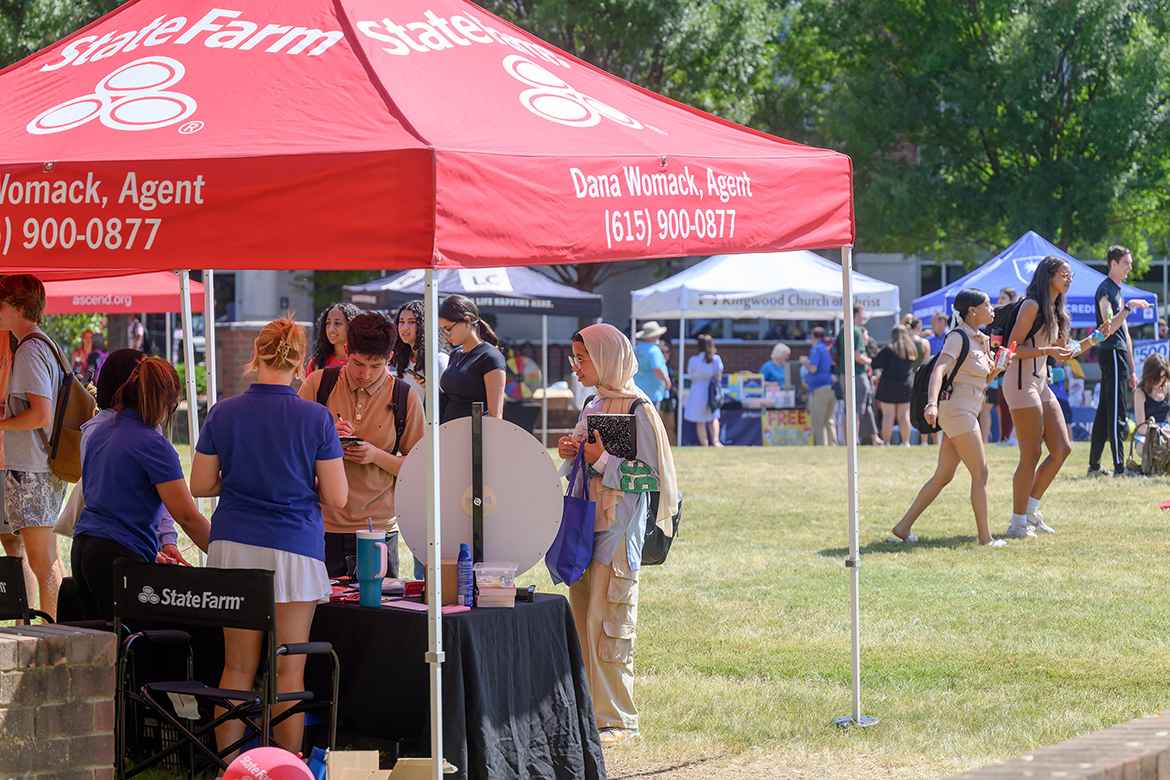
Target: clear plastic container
495	574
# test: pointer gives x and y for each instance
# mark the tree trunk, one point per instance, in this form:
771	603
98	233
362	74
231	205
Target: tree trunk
116	325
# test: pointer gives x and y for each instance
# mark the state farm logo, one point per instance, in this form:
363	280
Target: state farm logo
133	97
148	596
554	100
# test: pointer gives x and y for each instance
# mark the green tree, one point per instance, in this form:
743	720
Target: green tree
971	122
26	26
66	329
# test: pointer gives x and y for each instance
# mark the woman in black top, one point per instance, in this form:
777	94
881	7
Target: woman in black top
896	363
1149	397
475	371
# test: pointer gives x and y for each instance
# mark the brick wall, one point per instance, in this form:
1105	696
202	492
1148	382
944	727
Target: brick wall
233	348
56	703
1136	750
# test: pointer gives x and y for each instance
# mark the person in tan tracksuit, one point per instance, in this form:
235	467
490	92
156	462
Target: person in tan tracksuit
958	415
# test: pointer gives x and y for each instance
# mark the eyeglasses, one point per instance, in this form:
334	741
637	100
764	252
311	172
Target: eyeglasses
575	362
1068	275
447	330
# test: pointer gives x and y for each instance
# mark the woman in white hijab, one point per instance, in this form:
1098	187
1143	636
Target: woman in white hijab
605	599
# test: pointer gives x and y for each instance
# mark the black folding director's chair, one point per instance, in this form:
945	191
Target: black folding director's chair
153	593
13	599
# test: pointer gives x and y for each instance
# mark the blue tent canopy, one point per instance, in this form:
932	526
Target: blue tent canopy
1013	267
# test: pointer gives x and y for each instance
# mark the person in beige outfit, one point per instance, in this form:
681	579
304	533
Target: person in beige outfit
605	599
958	415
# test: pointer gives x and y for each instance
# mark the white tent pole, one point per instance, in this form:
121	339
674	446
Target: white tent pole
682	348
434	657
189	370
544	380
209	356
846	355
633	329
170	337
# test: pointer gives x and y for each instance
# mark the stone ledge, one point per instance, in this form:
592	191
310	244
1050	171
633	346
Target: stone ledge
1136	750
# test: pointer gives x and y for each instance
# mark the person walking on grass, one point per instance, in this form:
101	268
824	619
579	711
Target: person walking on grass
958	415
1115	356
1042	325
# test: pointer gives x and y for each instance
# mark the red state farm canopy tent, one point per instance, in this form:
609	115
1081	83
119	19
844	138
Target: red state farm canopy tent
369	134
387	135
151	292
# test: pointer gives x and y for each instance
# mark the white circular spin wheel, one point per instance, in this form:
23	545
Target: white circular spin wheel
521	487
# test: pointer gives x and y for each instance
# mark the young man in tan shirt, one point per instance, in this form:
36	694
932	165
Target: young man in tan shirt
362	403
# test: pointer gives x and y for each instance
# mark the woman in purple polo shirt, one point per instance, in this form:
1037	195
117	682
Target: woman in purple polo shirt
131	472
261	453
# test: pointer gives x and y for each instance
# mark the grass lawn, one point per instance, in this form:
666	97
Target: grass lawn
968	654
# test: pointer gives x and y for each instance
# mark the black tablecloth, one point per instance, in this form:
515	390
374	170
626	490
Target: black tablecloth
515	696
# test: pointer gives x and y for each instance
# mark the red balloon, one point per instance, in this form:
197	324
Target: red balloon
267	763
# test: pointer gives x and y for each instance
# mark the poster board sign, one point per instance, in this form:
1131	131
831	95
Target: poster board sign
1143	349
786	427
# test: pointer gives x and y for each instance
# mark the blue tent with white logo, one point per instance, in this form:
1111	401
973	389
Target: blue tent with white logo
1013	267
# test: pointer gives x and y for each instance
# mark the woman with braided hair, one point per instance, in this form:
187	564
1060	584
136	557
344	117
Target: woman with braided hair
262	452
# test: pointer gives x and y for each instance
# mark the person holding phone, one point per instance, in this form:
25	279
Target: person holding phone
363	407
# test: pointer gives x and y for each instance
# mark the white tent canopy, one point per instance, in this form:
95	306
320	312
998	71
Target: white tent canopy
776	285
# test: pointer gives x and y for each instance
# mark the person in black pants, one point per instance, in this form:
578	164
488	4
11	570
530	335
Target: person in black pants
1115	356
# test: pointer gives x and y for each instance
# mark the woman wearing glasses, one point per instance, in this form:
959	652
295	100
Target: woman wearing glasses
475	369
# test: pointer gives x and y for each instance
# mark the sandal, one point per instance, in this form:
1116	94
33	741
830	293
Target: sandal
615	735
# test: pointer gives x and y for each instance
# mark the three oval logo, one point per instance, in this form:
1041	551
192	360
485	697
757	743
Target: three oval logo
552	99
132	97
148	596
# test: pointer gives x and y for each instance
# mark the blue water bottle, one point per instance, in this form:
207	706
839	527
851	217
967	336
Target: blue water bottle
464	590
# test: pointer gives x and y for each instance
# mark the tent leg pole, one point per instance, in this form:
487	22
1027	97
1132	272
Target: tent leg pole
434	656
189	371
846	355
682	348
633	329
544	380
210	359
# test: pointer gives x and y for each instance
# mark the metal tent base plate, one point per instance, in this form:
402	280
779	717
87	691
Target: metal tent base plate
862	722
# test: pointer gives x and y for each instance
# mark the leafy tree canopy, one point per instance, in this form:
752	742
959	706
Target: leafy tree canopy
971	122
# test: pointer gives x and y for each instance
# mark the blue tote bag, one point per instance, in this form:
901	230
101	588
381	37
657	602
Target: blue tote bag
572	550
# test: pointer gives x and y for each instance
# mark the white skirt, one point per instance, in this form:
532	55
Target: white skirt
297	577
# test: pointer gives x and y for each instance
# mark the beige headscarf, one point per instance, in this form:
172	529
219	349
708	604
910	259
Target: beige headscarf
613	357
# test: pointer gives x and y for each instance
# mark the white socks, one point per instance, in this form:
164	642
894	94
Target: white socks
1033	503
1019	519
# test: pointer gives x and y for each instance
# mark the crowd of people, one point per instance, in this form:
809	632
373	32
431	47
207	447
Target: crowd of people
306	456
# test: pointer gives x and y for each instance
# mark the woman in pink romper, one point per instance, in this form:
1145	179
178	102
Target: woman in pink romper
958	415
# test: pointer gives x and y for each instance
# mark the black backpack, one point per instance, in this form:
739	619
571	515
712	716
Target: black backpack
1005	322
920	395
399	397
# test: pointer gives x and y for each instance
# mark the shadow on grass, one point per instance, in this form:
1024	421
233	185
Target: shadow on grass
882	546
662	770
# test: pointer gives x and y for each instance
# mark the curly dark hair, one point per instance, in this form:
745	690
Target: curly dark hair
324	349
371	334
1053	313
400	358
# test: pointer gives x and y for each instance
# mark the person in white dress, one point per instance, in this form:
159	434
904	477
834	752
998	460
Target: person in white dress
704	368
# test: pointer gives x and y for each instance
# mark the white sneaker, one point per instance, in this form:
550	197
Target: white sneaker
1036	523
996	543
1020	530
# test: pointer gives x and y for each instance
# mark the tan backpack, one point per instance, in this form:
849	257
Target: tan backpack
75	406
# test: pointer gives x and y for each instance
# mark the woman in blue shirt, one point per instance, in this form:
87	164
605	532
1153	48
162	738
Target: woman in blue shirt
773	370
261	452
131	472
